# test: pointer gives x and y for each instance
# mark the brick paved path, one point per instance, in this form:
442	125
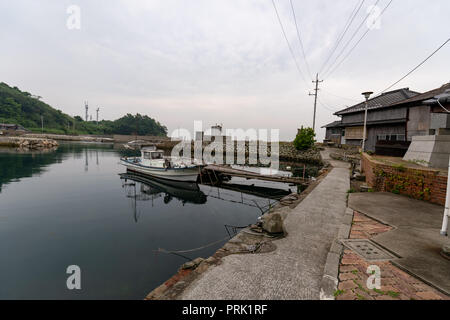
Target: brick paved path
395	283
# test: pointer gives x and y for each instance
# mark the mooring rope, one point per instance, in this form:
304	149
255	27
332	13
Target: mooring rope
195	249
178	252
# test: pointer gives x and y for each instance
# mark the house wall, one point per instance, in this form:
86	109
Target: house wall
353	118
374	131
353	135
419	121
376	115
328	134
333	134
350	142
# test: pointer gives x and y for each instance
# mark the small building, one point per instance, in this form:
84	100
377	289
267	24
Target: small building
211	134
393	118
334	133
9	128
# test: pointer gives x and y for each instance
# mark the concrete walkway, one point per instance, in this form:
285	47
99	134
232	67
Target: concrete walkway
294	270
416	235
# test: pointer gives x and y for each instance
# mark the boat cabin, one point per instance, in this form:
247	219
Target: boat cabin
152	157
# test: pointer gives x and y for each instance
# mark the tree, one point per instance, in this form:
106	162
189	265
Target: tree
304	139
25	109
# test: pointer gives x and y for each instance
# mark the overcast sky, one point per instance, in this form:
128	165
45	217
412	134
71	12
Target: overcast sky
223	61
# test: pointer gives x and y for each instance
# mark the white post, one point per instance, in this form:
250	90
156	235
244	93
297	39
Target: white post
444	230
365	128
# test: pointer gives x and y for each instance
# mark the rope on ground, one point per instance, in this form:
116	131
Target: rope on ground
195	249
256	248
287	201
259	234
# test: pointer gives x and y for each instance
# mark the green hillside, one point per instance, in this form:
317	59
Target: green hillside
25	109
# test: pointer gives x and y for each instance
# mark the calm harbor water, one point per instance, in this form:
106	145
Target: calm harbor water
71	207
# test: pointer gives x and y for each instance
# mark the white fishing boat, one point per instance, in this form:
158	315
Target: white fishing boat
153	163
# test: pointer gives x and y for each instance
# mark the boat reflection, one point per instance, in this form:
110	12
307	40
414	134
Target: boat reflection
140	187
151	187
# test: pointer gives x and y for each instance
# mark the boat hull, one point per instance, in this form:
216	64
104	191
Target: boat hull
189	174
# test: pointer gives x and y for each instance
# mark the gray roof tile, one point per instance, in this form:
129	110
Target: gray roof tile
384	100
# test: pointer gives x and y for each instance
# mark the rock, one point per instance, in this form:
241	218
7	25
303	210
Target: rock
446	250
202	267
272	223
211	260
179	285
192	264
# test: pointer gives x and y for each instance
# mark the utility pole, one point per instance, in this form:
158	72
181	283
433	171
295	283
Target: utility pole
316	91
367	96
444	230
87	108
98	109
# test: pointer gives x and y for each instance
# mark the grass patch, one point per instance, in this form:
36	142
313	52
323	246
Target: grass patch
337	293
378	291
393	294
360	297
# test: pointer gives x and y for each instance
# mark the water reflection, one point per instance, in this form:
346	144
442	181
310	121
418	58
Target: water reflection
54	214
144	188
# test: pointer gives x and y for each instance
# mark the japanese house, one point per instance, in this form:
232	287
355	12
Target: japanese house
393	118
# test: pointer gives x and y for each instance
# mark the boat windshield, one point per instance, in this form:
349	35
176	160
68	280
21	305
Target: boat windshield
157	155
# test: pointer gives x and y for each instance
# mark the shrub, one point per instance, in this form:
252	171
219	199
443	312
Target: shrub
304	139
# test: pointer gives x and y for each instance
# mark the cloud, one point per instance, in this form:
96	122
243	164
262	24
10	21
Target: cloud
213	60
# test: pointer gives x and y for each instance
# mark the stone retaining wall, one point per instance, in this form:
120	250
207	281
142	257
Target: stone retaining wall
28	143
418	183
61	137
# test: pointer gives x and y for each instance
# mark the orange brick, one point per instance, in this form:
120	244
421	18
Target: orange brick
348	276
428	295
347	285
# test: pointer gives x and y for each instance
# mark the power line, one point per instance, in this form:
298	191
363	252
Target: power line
417	67
356	44
352	37
327	106
289	45
349	22
338	96
300	40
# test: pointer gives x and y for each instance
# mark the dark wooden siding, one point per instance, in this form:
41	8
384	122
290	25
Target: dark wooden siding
419	121
387	114
374	131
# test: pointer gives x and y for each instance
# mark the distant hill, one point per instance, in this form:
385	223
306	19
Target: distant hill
21	107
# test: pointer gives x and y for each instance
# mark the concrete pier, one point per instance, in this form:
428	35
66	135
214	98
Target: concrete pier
295	269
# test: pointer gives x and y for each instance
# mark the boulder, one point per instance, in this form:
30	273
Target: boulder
192	264
272	223
446	250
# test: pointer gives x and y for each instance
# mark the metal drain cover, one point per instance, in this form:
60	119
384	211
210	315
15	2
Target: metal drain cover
368	250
